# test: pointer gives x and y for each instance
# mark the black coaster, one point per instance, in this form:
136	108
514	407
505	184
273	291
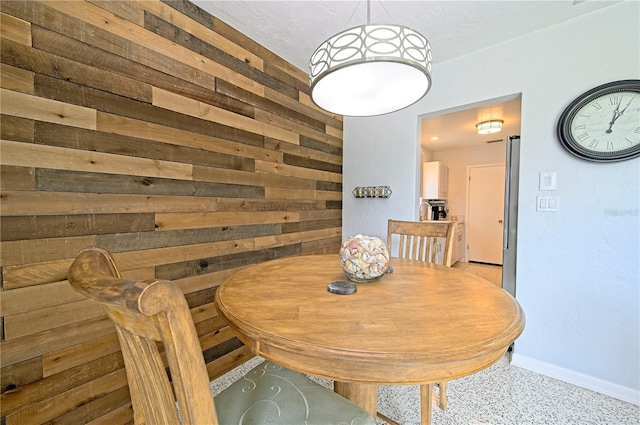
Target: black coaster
342	287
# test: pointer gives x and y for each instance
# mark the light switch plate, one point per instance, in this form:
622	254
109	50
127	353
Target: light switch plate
547	180
547	203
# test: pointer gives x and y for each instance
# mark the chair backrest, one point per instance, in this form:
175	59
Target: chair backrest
146	312
418	239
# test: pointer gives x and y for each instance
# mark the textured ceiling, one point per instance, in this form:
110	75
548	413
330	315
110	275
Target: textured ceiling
294	29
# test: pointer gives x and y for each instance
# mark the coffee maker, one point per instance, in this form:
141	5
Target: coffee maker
434	209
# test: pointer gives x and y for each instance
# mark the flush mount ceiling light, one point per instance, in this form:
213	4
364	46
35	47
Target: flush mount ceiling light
488	127
370	70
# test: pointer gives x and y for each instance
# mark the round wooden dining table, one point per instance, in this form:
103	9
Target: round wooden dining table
420	324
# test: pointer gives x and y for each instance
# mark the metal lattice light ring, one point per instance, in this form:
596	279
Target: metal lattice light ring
402	49
405	44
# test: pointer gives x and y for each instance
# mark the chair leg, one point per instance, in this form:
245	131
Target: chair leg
442	393
426	394
387	419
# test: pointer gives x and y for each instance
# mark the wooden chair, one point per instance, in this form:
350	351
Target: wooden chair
418	241
149	312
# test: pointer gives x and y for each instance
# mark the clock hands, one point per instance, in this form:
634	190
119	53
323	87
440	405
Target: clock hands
617	114
625	108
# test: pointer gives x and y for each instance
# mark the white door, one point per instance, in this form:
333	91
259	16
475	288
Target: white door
485	214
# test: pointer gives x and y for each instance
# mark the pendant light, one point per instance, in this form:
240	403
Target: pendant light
370	70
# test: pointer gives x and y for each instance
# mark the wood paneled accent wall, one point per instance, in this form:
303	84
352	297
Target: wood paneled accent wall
160	133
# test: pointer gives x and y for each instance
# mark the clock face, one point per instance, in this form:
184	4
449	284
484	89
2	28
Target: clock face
603	124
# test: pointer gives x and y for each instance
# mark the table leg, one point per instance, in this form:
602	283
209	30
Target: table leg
426	395
364	395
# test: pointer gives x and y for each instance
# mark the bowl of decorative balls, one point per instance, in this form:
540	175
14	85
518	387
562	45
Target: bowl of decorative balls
364	258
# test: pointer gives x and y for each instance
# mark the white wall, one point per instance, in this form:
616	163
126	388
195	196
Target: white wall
379	152
578	271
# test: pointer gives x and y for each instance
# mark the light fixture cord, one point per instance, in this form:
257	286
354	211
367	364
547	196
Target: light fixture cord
353	13
369	11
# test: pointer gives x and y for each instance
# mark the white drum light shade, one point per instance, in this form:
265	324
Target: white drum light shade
370	70
488	127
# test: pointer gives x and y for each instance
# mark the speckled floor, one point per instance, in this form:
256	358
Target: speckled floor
499	395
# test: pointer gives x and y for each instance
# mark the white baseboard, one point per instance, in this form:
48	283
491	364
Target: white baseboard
576	378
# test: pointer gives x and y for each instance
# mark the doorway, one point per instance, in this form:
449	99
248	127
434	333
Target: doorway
485	213
450	136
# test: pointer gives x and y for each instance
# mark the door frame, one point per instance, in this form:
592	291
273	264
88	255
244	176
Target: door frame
467	196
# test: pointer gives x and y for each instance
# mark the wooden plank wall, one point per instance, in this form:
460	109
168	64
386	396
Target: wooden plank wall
157	131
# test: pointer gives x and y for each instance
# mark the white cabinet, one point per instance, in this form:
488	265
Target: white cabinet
435	180
440	251
456	245
456	251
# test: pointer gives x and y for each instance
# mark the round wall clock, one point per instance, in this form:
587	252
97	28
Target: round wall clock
603	124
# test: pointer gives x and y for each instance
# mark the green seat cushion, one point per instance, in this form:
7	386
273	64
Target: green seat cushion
271	394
